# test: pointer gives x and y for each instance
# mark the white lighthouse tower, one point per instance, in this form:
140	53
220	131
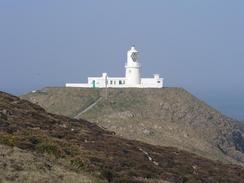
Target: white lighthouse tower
132	77
132	68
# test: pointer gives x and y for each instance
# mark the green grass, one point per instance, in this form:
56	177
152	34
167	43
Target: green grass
65	101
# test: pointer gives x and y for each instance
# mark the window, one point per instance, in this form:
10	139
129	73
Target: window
114	82
120	82
159	82
111	82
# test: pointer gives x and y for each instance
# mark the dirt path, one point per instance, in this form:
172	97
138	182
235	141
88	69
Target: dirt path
88	108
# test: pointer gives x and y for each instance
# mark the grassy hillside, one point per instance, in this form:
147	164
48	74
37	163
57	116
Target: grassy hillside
69	103
65	149
167	116
18	165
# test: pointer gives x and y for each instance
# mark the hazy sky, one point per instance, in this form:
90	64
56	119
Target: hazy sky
198	45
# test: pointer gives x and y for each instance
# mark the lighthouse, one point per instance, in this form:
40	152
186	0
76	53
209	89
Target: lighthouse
132	68
132	78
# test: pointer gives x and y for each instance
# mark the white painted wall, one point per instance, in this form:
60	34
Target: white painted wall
151	83
132	68
78	85
132	77
118	82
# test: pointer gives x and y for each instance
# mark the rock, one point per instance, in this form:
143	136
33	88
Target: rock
3	116
155	163
148	132
167	116
122	115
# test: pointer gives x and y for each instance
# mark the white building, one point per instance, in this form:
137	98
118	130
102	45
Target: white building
132	77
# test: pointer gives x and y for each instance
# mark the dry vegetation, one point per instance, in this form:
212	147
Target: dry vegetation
17	165
166	117
83	148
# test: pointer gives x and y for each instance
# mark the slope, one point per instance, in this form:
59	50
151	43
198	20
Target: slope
167	117
83	147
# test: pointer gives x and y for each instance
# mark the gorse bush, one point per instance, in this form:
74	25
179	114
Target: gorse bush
7	139
78	163
43	143
38	141
49	147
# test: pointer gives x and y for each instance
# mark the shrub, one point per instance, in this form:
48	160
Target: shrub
108	175
7	139
48	146
78	163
